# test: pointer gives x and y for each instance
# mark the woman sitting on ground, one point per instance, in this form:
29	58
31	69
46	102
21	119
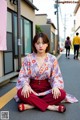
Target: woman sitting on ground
40	83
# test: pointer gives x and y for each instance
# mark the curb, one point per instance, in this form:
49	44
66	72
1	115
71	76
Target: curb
58	56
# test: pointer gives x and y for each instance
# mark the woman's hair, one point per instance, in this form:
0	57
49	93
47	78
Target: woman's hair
68	38
45	40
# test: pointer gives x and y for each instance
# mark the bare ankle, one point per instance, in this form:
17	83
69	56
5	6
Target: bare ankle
52	107
27	106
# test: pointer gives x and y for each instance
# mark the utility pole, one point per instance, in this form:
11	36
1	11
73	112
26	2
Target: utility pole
19	33
58	19
58	26
57	5
65	27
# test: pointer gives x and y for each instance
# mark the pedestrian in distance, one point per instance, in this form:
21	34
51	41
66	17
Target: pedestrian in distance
76	44
67	46
40	84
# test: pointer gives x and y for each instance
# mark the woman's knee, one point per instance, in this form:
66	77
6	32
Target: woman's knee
31	95
63	93
19	92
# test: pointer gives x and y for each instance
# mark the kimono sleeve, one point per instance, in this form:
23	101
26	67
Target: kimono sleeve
23	75
56	76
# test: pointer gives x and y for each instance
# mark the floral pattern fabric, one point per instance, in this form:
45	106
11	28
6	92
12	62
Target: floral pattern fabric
49	70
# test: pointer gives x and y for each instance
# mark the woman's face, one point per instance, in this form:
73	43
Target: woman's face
41	46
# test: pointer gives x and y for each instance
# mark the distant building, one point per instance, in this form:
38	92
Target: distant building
77	17
47	27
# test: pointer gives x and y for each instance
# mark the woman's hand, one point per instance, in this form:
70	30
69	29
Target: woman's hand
27	90
56	92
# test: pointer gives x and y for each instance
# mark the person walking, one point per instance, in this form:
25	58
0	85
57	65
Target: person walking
67	46
76	44
40	83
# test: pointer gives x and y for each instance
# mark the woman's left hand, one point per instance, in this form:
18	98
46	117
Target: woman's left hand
56	92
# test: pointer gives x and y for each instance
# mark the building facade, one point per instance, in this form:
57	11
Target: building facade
9	58
77	17
47	27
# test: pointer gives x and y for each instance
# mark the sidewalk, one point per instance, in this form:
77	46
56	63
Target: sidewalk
70	70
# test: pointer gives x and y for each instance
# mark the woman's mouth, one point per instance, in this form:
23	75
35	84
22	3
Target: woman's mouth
40	49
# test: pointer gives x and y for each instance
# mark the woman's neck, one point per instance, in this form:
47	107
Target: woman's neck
41	54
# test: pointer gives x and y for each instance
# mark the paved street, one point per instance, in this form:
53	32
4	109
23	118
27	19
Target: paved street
70	69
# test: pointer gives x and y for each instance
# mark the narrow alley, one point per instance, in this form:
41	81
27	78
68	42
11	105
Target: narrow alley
56	23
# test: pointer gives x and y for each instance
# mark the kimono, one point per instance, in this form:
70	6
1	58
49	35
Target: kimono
49	70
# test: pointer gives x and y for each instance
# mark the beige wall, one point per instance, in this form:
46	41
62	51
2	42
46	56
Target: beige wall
41	20
29	13
77	17
52	29
1	64
26	11
11	6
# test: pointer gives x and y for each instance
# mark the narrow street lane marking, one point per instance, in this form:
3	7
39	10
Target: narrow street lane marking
7	97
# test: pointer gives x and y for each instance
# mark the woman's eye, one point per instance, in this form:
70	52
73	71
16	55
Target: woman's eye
40	43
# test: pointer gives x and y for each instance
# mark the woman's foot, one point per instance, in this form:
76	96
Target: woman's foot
23	107
59	108
68	57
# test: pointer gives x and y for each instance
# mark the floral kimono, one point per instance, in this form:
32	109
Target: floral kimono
49	70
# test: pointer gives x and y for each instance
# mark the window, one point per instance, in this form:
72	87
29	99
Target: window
15	36
31	1
8	54
9	22
27	36
9	32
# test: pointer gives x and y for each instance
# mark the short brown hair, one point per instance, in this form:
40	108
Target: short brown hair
45	40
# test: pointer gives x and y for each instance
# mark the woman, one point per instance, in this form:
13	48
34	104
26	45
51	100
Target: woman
67	46
40	83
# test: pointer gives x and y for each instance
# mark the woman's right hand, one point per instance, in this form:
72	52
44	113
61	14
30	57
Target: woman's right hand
27	90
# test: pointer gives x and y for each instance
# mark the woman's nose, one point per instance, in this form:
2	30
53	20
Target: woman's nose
41	44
